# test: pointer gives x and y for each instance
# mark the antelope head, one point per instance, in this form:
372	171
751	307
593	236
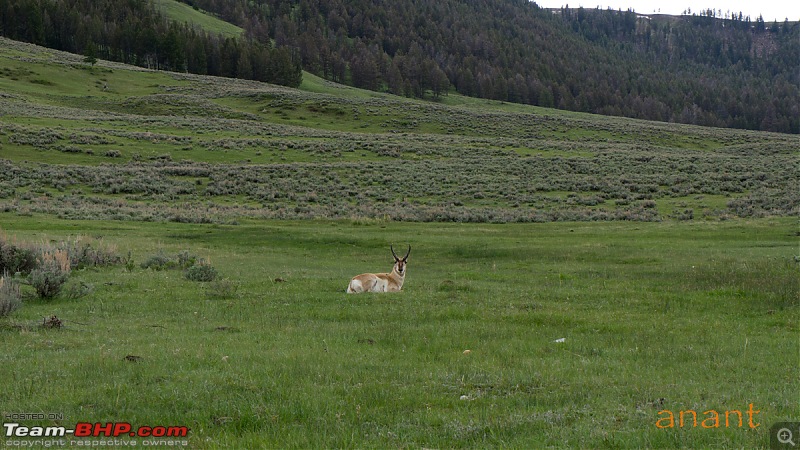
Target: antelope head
400	263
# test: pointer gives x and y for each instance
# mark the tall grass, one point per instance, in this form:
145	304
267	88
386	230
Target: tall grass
774	281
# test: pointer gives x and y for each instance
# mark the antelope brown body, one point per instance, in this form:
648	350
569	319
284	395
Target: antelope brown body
381	282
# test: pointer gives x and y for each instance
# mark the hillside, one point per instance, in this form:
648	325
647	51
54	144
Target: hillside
704	70
162	35
120	142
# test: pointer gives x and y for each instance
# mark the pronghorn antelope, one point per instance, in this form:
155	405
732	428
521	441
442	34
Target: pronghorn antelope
381	282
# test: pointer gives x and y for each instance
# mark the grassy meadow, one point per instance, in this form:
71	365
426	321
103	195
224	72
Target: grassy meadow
571	276
667	316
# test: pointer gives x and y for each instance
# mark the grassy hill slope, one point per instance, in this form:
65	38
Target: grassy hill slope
184	13
193	148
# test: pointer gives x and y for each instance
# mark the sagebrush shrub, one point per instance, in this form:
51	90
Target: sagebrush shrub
49	277
10	297
14	258
222	288
186	259
83	252
74	291
158	262
182	260
201	271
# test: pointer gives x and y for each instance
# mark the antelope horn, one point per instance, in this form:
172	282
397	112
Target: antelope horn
393	254
407	253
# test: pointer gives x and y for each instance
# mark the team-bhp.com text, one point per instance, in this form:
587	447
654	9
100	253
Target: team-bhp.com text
166	435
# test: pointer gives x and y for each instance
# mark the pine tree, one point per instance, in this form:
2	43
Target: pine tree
90	55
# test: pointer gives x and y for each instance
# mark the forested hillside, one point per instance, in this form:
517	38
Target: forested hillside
701	70
135	32
706	70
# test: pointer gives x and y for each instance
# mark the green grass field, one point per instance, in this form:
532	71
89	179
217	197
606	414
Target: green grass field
602	272
654	317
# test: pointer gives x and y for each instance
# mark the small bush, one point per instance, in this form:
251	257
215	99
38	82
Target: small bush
129	263
183	260
89	253
10	297
222	288
74	291
158	262
201	271
186	260
14	258
48	279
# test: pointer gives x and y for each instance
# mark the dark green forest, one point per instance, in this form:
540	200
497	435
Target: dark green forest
707	69
134	32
